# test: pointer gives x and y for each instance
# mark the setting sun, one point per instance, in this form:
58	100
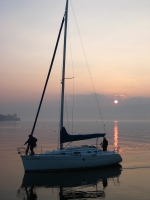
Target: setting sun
115	101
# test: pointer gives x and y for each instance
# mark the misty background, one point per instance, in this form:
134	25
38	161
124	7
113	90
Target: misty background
84	107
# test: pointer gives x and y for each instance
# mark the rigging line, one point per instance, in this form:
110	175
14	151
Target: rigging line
95	94
73	78
66	112
68	144
48	75
58	126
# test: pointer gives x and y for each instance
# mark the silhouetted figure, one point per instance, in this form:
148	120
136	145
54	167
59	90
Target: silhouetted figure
32	143
104	144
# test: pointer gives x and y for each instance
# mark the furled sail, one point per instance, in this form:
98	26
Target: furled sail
65	137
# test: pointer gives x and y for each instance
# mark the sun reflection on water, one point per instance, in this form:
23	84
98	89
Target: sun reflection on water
115	134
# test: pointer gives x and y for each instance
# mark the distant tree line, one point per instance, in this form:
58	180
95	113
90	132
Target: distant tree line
9	117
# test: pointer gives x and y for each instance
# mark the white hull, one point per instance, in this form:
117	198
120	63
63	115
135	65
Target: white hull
70	159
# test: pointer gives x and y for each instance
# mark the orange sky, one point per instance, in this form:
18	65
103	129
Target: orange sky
115	37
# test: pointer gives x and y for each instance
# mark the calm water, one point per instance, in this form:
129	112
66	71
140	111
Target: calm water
131	180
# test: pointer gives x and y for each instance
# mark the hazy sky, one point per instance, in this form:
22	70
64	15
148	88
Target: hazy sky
115	36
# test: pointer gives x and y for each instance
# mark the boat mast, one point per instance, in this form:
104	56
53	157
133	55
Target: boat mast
63	72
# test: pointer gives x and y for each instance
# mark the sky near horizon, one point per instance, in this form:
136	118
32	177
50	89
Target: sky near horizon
115	36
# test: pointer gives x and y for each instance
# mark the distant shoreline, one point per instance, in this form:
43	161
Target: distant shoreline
9	117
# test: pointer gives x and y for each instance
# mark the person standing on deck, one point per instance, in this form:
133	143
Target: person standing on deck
104	144
32	142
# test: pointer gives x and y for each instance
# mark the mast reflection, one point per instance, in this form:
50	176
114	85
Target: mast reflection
69	184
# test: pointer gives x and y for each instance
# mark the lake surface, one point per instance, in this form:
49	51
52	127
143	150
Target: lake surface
130	180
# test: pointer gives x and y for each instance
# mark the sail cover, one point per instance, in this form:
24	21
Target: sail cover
65	137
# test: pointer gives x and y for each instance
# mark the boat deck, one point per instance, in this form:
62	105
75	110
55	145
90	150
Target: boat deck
71	151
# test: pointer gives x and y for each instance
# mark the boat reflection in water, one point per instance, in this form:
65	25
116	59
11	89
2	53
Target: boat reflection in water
71	184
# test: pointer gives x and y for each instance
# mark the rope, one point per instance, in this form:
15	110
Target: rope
66	112
95	94
58	128
73	78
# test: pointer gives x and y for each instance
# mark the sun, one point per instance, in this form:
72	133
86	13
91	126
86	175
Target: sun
115	101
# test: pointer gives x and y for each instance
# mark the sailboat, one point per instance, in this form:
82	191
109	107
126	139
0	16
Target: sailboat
69	158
